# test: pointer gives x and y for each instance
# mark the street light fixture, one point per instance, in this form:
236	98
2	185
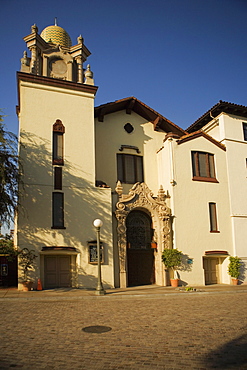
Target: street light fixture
98	224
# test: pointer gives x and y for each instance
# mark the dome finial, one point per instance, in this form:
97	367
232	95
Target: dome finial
55	21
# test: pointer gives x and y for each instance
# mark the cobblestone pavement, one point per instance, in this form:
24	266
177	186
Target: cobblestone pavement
176	331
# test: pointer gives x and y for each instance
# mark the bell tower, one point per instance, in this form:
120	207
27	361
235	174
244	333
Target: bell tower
52	55
57	151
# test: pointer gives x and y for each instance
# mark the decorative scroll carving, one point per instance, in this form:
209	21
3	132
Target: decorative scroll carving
140	196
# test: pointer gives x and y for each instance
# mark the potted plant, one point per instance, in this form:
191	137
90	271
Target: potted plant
234	269
27	262
172	260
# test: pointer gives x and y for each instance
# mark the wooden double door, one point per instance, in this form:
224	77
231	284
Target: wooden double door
140	255
57	271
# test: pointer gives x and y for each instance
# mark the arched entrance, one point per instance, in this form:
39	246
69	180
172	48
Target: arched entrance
140	256
138	199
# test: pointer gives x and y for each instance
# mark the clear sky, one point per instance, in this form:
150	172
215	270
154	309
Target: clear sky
180	57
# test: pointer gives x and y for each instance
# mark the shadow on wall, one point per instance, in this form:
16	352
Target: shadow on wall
86	280
186	265
232	355
83	202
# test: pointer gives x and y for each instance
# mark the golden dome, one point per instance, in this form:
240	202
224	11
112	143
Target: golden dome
56	35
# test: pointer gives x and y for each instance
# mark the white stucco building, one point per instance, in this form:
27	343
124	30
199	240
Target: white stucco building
153	184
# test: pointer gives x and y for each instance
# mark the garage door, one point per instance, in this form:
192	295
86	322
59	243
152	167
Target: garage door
57	272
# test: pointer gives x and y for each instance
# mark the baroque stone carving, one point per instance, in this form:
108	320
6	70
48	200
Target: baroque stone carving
141	197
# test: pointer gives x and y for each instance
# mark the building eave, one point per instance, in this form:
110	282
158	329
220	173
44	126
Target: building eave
54	82
216	110
130	104
197	134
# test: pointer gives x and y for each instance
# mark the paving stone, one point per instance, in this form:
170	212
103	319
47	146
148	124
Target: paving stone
193	331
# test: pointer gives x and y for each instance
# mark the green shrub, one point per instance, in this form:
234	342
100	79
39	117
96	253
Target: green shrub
234	267
171	258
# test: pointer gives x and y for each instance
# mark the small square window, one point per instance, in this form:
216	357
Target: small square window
128	128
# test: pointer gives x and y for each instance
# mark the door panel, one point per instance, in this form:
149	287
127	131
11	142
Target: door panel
57	271
64	275
140	256
140	267
210	266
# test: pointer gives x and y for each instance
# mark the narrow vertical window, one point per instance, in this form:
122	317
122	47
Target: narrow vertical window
57	210
58	178
58	143
245	131
213	217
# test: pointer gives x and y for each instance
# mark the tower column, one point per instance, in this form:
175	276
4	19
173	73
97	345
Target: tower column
70	71
80	69
45	66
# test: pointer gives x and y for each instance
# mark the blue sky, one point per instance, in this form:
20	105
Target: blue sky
180	57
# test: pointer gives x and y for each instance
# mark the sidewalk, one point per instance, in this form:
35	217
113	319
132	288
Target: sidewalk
150	291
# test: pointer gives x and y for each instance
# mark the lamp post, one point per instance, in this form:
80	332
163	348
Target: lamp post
98	224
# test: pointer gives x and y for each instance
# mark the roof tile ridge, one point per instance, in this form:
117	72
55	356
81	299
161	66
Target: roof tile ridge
199	133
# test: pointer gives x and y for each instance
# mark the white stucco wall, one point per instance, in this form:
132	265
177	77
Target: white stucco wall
40	106
110	135
231	129
190	206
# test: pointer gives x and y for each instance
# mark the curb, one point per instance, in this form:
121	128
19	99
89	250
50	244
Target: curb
121	295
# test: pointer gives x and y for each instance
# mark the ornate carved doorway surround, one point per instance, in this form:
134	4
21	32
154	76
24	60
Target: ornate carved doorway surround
141	198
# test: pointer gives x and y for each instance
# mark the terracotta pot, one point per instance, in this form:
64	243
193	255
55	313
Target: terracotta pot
234	281
174	282
27	286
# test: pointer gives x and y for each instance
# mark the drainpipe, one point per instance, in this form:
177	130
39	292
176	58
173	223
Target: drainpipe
173	183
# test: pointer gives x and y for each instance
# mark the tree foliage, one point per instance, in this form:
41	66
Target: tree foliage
171	258
27	259
9	173
7	246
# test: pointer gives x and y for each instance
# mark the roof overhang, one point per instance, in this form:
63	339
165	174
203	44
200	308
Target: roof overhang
216	253
132	104
221	107
197	134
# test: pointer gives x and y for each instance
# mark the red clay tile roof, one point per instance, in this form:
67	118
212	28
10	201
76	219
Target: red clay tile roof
133	104
196	134
220	107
